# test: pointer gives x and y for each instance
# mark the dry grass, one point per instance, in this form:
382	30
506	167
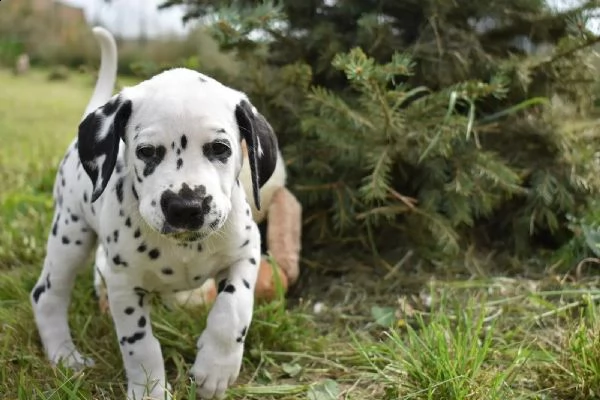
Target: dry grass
379	333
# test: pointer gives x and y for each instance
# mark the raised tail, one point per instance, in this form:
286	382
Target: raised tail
107	75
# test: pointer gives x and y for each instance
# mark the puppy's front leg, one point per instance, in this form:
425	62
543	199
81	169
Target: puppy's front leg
141	352
221	345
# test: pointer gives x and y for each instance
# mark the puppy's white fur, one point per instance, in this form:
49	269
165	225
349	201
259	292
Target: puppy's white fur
126	223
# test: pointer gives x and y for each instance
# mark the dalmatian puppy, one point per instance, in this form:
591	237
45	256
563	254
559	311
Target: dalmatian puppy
151	181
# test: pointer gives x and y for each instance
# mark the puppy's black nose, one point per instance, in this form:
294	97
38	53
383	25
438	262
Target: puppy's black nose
184	212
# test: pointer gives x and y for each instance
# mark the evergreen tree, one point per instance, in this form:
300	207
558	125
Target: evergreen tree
433	124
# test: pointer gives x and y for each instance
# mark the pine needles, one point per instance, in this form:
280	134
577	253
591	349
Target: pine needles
435	126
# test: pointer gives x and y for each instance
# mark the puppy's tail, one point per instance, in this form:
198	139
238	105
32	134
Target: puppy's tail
107	76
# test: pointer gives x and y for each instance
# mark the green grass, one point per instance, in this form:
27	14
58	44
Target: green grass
383	333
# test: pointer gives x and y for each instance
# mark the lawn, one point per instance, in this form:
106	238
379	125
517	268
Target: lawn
352	328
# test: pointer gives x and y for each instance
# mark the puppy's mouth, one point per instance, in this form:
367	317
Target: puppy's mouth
182	235
191	234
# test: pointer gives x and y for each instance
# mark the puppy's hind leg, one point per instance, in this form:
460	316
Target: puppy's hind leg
69	243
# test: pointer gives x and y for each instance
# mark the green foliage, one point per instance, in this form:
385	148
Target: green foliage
446	356
374	130
580	362
422	124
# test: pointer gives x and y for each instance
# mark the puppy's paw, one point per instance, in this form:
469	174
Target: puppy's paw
216	367
150	391
69	357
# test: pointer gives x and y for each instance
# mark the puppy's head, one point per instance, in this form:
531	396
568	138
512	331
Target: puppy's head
182	133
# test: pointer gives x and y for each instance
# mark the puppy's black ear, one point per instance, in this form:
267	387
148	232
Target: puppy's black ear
261	143
98	141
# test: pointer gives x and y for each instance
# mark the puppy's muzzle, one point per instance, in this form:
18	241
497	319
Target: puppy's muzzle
184	212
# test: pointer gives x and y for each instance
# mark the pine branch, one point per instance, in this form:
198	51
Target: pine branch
569	52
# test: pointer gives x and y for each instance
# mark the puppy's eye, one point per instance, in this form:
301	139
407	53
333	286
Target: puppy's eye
219	149
145	151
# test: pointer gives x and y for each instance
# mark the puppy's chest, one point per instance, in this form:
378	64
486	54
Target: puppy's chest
179	267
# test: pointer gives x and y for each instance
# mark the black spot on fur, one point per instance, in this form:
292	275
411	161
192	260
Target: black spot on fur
135	193
142	322
141	293
110	107
167	271
118	261
229	288
245	282
78	242
93	210
154	254
121	213
37	292
62	182
221	285
85	197
153	203
141	248
179	163
55	225
173	145
137	233
130	352
119	189
107	239
245	243
116	235
152	163
137	175
129	310
74	218
65	240
40	289
183	141
178	152
247	211
197	277
248	227
119	167
133	338
252	261
242	336
200	190
128	222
